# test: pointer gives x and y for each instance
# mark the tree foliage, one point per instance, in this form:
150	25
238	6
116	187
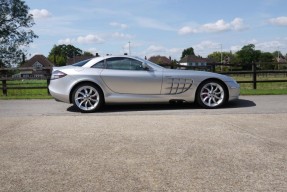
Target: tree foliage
188	51
227	57
15	32
60	53
86	53
277	53
248	54
266	57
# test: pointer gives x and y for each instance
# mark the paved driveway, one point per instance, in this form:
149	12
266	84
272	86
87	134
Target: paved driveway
50	146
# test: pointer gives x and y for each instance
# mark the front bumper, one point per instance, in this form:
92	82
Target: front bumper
234	90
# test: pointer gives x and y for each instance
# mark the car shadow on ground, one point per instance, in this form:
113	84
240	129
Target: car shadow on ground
241	103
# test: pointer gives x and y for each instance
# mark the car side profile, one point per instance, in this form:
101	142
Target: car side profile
126	79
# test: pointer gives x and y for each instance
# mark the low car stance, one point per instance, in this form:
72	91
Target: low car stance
125	79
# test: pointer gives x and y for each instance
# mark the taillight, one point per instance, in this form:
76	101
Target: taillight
57	75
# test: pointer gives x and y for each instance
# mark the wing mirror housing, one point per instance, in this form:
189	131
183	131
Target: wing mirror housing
146	67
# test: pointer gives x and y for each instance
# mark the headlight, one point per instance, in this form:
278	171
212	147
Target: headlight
57	75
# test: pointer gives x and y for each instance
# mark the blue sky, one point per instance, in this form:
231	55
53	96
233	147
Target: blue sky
159	27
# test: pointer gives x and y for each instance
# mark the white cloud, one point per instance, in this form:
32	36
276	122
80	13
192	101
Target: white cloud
186	30
235	48
120	25
66	41
89	39
269	45
206	45
156	48
218	26
236	24
282	21
121	35
40	13
174	51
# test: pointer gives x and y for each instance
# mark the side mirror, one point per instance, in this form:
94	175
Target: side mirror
146	67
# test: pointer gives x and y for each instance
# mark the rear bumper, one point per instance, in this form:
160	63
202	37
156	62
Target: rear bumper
59	97
59	89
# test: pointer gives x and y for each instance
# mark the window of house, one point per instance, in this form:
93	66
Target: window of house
38	66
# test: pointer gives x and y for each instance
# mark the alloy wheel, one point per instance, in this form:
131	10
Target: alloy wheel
87	98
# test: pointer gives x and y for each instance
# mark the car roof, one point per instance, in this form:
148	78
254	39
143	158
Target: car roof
98	59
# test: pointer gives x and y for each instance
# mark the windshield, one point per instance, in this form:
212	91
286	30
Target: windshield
81	63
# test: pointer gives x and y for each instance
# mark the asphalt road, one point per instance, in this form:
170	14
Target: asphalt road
50	146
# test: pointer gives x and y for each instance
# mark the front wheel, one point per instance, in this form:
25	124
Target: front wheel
211	94
87	98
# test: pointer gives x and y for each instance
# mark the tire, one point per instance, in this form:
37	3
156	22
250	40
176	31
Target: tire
87	98
211	94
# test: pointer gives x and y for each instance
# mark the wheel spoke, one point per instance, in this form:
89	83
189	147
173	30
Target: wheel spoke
79	98
217	97
209	101
205	98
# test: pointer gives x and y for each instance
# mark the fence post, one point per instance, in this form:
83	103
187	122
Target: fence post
254	79
48	83
4	87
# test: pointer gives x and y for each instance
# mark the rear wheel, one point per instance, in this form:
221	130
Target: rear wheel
87	98
211	94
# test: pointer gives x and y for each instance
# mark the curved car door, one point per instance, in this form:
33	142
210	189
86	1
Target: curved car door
127	76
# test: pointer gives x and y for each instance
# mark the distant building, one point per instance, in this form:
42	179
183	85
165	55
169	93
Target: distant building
281	59
194	61
161	60
37	66
77	59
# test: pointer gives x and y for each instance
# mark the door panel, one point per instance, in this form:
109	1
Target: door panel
133	82
128	76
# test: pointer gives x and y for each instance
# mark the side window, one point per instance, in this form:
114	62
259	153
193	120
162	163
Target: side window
99	65
136	65
121	63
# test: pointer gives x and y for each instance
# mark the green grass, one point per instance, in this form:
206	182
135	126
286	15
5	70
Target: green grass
246	88
262	88
26	93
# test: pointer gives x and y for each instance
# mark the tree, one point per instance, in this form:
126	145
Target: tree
60	53
188	51
266	57
227	57
248	54
15	32
277	53
86	53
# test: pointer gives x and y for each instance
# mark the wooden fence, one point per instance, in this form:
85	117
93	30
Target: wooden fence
5	86
254	73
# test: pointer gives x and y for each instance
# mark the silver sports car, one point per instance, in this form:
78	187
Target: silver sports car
125	79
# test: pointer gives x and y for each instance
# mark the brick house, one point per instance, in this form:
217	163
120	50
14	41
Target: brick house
77	59
37	66
161	60
194	61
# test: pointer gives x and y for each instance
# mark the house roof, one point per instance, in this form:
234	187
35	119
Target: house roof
160	60
195	59
41	59
77	59
281	60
